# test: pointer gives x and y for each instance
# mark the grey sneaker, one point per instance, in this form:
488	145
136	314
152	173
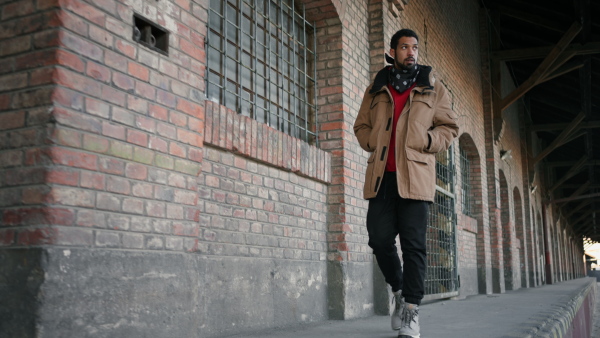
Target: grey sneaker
410	321
398	303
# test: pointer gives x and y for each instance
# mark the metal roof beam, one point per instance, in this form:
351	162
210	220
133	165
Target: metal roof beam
543	68
566	134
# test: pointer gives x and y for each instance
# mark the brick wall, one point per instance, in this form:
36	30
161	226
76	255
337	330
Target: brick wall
122	126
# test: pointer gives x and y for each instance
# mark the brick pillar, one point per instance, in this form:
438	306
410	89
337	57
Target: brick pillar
101	147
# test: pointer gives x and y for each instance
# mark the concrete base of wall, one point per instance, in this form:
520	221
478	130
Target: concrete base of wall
350	289
469	284
112	293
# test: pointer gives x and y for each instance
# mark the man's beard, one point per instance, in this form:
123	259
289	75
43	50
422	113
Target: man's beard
402	66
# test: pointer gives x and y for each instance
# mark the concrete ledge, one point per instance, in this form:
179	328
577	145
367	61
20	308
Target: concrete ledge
566	319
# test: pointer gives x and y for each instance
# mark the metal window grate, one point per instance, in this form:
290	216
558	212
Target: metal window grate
262	63
465	174
442	276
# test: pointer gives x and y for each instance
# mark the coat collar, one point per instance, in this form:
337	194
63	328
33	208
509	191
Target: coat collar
382	79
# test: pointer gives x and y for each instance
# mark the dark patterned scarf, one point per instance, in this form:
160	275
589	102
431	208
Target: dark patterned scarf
402	79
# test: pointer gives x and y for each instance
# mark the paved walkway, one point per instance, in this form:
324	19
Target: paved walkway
521	313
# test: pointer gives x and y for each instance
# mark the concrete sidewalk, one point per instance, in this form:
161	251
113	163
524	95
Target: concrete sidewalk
543	311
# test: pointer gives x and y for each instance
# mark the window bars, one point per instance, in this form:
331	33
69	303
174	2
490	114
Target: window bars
466	197
262	63
441	279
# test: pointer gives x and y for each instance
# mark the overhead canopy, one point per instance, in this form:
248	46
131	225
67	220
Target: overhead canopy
552	51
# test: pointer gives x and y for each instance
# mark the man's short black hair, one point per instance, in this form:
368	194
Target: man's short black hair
403	32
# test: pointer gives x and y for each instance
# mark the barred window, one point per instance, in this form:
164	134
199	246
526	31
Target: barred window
465	186
441	279
262	63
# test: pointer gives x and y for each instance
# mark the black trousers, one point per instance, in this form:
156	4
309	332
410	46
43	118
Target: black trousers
390	215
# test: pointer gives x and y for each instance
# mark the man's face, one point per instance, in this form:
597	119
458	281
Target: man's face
406	52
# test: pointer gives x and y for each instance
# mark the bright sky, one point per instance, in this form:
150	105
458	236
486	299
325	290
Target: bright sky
594	250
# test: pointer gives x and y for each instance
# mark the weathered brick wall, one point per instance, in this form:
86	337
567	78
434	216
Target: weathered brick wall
27	51
124	129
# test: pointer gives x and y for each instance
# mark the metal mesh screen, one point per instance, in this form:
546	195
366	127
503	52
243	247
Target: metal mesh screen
442	277
466	198
262	63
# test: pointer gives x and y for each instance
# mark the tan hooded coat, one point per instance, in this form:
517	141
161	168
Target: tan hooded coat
426	126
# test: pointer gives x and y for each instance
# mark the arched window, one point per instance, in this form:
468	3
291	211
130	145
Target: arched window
465	183
262	64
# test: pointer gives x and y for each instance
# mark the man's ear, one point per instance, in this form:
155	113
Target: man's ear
393	53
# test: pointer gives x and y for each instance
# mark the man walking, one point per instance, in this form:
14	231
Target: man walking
404	119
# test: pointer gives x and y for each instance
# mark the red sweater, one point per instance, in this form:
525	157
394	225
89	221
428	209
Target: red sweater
399	103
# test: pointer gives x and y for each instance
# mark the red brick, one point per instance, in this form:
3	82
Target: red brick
74	236
136	171
100	36
95	143
12	120
20	8
7	237
126	48
46	39
4	101
81	46
75	81
132	205
139	71
157	144
177	150
92	180
112	130
39	236
186	229
16	45
70	60
34	194
62	176
195	154
137	137
72	22
67	98
11	158
28	24
158	112
118	185
142	190
115	61
77	120
188	137
13	81
71	196
73	158
177	119
112	166
155	209
165	98
183	30
85	10
137	104
166	130
114	96
169	68
124	82
145	90
98	72
145	123
41	76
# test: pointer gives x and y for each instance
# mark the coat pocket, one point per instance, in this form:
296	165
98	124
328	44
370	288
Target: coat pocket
421	172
